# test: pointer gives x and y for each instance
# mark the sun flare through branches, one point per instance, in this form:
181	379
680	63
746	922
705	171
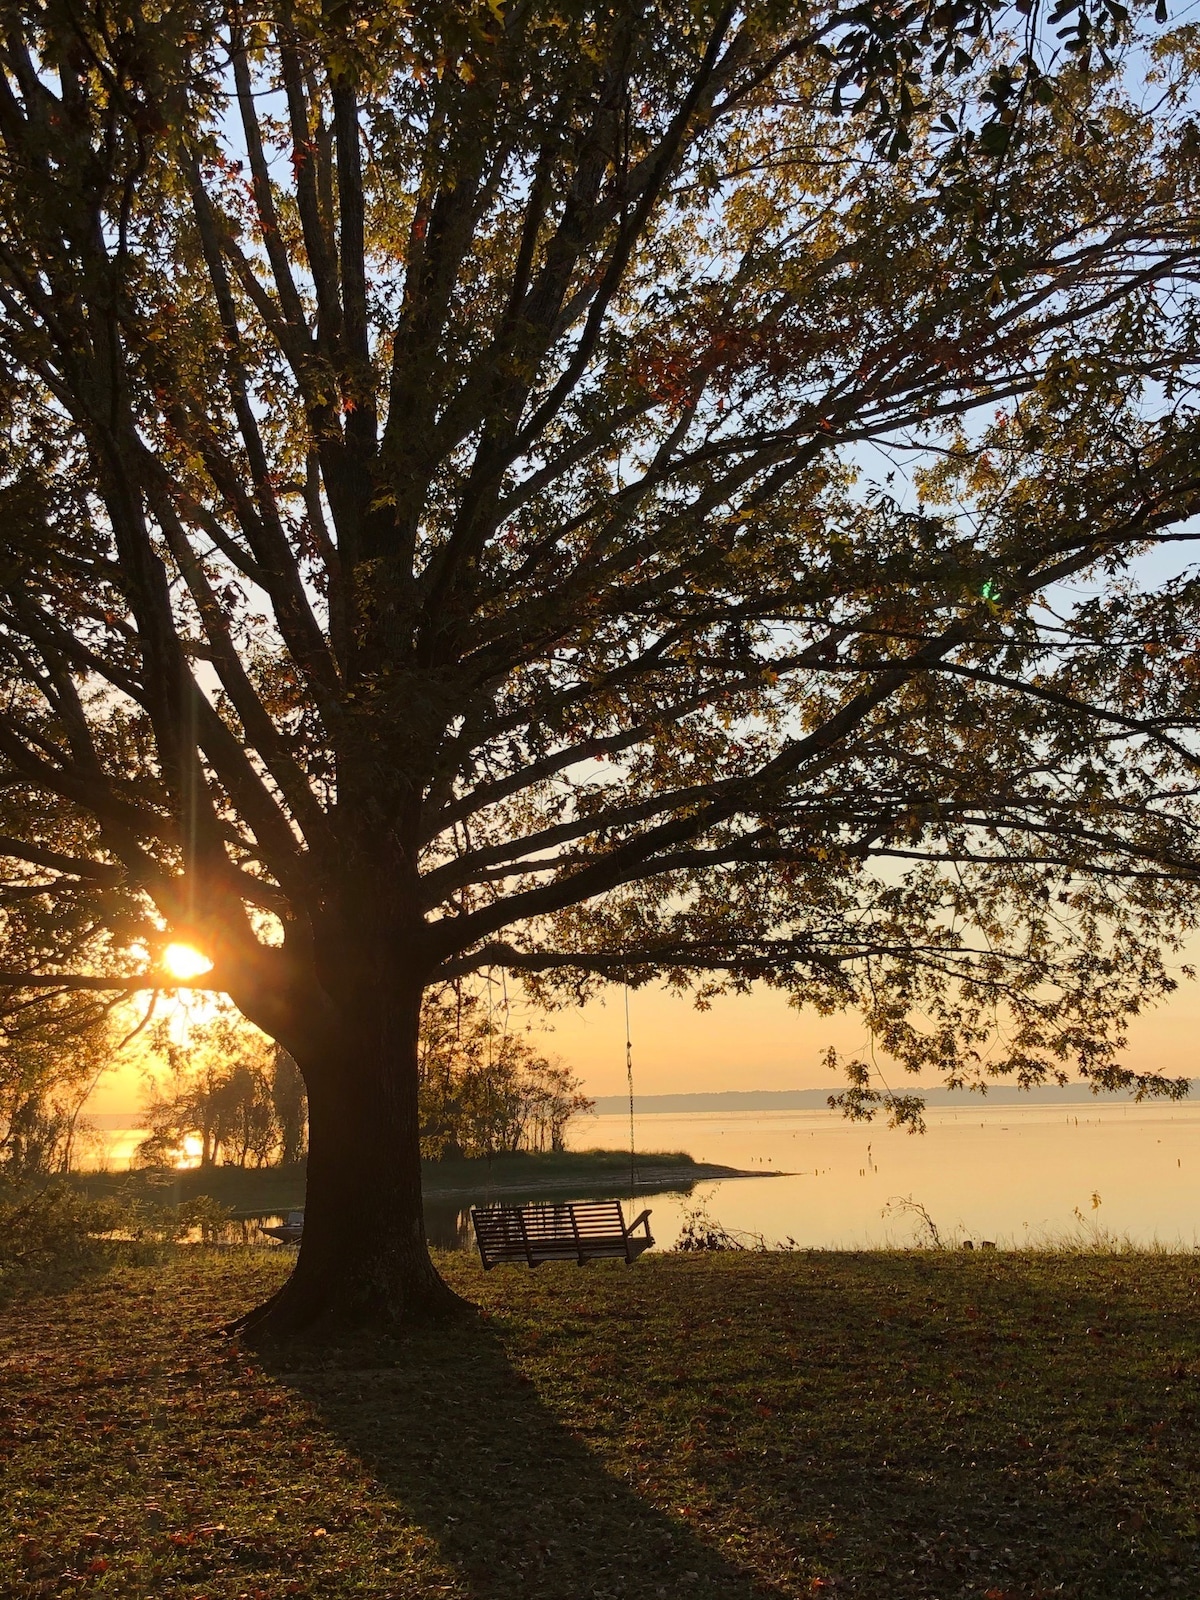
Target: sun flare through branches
184	962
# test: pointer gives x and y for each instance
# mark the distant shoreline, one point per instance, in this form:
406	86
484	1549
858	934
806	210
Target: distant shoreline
1001	1094
651	1105
648	1176
252	1190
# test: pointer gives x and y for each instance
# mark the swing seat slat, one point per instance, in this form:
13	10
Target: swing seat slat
579	1230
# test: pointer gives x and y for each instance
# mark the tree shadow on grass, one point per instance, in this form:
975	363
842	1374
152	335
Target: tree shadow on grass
517	1505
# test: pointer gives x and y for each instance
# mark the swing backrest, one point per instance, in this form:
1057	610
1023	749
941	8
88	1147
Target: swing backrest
579	1230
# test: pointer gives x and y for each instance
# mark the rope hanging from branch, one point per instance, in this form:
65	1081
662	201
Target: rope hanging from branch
629	1080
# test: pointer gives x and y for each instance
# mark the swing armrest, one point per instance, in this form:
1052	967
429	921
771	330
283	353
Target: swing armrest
640	1222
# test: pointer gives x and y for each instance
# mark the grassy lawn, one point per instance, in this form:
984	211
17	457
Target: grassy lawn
879	1425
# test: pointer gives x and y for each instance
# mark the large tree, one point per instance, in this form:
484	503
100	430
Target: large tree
445	524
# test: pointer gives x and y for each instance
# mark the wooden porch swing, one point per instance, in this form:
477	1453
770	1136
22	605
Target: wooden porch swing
574	1230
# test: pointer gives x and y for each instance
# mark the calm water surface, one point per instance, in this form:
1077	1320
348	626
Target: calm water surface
1013	1174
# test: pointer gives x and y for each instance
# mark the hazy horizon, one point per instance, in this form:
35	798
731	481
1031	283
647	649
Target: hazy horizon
754	1042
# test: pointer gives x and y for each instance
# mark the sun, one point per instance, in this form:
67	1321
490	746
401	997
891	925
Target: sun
182	961
190	1153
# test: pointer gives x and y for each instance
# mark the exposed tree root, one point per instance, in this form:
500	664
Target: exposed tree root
308	1311
231	1330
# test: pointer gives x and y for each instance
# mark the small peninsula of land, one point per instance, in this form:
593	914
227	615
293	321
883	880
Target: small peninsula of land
253	1191
584	1170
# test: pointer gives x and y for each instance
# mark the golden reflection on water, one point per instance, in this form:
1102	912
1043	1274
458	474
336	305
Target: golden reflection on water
1015	1174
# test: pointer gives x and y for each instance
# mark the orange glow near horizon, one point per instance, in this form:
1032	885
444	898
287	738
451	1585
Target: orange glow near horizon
193	1149
182	961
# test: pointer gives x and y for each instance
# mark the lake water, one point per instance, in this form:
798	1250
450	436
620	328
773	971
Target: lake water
1013	1174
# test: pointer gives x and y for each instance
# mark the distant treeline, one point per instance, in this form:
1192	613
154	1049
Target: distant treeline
817	1099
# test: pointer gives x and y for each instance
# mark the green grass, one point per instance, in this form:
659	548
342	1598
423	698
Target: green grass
878	1425
266	1189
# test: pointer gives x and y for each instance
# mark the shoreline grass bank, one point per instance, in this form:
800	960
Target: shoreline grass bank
267	1189
885	1425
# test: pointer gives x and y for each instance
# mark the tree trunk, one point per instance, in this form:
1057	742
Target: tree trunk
363	1261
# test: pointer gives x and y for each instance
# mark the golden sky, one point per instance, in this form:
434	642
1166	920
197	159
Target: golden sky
754	1041
758	1041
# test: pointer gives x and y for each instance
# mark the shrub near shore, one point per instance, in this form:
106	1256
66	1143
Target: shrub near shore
55	1228
919	1425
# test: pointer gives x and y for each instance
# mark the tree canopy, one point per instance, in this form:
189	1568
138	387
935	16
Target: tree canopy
549	487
